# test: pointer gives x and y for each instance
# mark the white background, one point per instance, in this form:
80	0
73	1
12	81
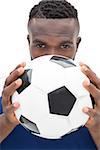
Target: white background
13	33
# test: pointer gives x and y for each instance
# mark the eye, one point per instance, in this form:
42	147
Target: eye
40	45
65	46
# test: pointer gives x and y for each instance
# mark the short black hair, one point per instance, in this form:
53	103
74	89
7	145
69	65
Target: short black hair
53	9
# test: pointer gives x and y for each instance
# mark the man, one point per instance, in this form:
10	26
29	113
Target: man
53	29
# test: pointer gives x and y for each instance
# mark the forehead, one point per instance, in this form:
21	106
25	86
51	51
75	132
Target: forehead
56	27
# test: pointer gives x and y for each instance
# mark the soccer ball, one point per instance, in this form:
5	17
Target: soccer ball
52	97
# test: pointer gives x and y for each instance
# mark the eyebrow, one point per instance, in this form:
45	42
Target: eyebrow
38	41
66	41
42	41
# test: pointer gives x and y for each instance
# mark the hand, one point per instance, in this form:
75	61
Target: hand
93	87
11	84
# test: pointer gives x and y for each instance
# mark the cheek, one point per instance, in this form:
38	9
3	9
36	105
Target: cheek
36	52
67	53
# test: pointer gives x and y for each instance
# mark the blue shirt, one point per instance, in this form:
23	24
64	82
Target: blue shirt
20	139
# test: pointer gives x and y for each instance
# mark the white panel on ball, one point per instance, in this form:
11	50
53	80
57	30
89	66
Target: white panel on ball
52	97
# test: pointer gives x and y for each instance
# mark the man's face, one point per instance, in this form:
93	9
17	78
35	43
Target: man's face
53	37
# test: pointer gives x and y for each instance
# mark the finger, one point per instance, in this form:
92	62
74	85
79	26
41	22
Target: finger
92	116
14	75
93	91
90	74
90	123
13	107
9	90
23	64
89	111
82	64
10	115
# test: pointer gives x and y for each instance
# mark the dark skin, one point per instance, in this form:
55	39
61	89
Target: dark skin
60	37
53	36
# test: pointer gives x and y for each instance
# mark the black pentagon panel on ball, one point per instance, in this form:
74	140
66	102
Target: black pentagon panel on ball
61	101
64	62
29	125
26	80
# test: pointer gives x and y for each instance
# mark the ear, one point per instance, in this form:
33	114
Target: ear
28	39
78	41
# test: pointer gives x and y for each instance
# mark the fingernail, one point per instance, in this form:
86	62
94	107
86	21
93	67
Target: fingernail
20	69
86	82
81	63
16	104
18	81
23	63
85	109
84	68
